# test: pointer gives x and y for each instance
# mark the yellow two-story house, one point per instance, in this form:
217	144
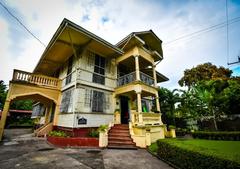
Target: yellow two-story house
83	81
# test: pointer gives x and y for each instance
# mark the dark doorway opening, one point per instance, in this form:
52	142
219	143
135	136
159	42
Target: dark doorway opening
124	109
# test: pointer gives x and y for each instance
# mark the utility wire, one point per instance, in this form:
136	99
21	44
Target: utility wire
227	32
10	13
208	29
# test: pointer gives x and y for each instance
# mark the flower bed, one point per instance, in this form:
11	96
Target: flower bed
73	141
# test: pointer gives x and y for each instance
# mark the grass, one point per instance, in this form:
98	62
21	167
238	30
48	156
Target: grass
153	148
229	150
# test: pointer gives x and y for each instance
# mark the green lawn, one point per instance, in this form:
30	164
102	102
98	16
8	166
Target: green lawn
223	149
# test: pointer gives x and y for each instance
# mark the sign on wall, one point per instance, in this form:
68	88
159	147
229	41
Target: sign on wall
82	121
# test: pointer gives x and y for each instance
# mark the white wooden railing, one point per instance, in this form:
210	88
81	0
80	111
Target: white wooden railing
22	76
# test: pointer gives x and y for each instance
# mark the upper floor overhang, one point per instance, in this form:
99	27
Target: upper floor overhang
147	39
70	38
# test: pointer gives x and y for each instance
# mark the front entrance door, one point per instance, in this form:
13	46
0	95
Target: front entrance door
124	109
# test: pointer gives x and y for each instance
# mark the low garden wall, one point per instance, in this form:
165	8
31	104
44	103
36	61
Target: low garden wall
73	141
189	159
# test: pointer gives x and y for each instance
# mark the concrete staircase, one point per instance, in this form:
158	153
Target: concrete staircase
119	137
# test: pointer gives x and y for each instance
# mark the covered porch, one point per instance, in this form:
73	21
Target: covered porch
35	87
138	106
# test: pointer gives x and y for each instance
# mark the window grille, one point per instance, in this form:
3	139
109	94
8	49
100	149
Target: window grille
38	110
87	99
69	71
107	101
97	101
99	70
90	56
67	101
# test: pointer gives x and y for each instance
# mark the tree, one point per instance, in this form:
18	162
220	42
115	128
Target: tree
230	99
206	71
168	99
3	94
211	94
22	105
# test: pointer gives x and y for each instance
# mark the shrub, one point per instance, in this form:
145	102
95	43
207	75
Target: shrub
102	128
233	135
172	127
93	133
57	133
181	132
187	159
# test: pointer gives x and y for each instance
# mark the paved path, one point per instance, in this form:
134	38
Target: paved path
32	153
124	159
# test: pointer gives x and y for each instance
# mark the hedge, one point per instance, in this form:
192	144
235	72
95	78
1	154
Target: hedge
234	135
186	159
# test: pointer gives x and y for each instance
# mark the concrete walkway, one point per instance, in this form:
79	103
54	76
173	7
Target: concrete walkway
139	159
32	153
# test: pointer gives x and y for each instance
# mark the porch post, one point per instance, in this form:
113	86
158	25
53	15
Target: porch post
157	102
4	117
48	113
139	102
137	67
154	75
56	114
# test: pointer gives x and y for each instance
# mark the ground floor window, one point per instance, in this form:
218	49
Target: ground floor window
38	110
67	101
98	101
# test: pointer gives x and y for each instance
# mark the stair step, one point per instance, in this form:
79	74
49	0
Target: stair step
126	147
118	134
119	138
121	125
121	142
120	128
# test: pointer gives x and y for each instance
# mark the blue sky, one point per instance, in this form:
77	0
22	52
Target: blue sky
114	19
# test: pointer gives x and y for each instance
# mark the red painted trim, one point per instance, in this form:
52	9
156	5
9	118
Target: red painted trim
73	141
75	132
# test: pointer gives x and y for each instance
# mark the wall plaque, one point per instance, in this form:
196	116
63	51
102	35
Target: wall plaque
82	121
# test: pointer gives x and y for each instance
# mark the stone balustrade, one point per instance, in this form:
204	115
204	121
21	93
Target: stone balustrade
27	77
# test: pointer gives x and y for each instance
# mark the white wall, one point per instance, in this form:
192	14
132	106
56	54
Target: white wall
93	120
79	100
65	120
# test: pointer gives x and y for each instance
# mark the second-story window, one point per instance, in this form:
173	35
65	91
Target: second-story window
69	71
99	70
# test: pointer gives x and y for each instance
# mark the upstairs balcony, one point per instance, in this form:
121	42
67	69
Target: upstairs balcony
22	77
131	77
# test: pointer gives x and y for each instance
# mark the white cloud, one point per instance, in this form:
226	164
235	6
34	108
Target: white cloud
168	21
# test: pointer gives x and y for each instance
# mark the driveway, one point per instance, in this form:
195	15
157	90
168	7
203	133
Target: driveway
35	153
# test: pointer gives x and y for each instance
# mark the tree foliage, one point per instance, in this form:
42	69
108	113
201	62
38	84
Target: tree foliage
211	94
168	99
3	93
18	104
22	105
206	71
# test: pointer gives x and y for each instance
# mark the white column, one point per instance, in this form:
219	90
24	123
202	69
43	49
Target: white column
137	67
139	102
154	75
157	102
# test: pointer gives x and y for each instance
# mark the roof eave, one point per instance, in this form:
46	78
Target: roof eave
69	23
